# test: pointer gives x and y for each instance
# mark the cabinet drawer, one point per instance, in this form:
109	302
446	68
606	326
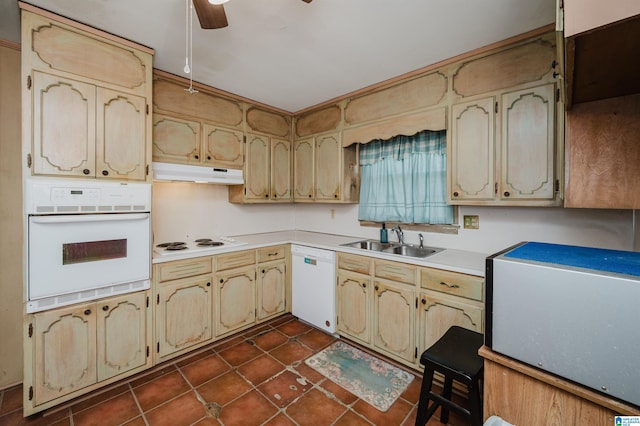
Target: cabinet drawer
183	269
267	254
235	260
396	271
468	286
351	262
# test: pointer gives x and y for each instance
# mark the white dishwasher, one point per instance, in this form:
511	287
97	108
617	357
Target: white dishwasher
313	287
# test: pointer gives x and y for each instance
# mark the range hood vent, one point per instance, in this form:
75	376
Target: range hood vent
204	174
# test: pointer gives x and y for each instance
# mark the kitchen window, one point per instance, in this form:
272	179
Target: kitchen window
404	180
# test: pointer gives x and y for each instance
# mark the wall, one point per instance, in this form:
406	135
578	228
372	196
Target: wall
184	210
10	219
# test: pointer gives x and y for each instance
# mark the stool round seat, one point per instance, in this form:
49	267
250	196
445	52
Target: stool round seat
454	355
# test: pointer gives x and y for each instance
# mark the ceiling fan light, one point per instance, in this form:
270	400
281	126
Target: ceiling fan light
218	1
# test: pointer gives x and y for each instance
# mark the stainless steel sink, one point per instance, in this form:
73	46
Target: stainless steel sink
406	250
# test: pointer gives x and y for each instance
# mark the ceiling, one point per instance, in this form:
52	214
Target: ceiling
292	55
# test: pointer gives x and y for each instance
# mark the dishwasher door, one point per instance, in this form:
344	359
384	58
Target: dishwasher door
313	287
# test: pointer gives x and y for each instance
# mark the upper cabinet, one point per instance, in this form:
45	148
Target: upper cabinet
504	142
198	128
85	100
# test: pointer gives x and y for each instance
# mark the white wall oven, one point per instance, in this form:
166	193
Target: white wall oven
86	240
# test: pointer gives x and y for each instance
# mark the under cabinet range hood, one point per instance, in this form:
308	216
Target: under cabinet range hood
189	173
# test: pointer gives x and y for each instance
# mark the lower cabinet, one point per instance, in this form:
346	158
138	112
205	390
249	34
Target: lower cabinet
353	306
235	299
394	314
271	289
72	350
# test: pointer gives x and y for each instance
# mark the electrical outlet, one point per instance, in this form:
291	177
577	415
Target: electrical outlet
471	222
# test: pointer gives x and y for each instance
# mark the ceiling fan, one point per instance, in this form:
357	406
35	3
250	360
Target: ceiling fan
211	13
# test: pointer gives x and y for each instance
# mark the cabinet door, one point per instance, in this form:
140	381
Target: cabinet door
327	167
280	170
183	317
303	167
527	146
235	299
122	334
120	135
257	174
64	351
223	147
472	154
175	140
439	313
354	306
271	289
394	319
63	126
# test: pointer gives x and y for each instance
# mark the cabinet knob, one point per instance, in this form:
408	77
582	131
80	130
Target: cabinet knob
376	288
105	173
364	285
221	280
87	311
208	157
196	157
275	195
105	308
455	194
335	195
86	171
506	193
208	284
309	195
424	301
266	195
263	271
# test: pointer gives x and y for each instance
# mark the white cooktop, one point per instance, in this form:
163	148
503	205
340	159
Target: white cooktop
180	248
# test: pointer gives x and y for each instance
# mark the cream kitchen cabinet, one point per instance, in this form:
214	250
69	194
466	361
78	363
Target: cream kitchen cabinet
353	307
271	282
267	171
72	350
184	303
235	301
89	117
181	140
503	149
448	299
317	169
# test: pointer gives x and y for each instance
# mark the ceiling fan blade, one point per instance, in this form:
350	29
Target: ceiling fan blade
211	16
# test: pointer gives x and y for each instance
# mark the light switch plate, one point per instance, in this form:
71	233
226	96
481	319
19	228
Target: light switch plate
471	222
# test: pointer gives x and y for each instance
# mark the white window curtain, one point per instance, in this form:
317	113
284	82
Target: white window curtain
404	179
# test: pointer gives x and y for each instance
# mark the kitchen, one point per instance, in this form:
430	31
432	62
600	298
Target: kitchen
186	211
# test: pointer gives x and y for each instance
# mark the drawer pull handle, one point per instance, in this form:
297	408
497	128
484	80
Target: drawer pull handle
449	285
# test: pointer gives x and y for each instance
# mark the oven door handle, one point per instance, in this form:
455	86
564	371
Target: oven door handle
75	218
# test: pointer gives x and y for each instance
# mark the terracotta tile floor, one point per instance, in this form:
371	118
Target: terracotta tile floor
257	377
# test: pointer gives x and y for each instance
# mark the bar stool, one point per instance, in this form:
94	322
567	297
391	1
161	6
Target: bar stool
455	355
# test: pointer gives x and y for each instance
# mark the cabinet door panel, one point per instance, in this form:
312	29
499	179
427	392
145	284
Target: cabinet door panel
271	289
223	147
327	167
122	334
528	144
354	306
120	132
235	299
184	314
65	351
175	140
63	126
472	150
280	170
257	173
303	166
394	319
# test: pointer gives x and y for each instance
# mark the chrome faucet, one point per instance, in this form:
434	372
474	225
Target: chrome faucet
399	233
421	240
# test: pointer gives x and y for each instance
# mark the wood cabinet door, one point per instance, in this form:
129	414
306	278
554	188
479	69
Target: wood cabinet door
123	338
175	140
327	167
63	126
303	170
271	289
257	168
439	313
235	299
354	305
394	319
64	351
280	170
472	150
183	315
528	144
223	147
120	135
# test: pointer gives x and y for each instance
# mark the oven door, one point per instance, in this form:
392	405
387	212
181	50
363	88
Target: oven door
72	254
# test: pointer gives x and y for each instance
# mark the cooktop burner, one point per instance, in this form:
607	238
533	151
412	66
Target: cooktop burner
200	244
171	244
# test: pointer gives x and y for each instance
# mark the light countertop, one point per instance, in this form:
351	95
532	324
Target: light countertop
466	262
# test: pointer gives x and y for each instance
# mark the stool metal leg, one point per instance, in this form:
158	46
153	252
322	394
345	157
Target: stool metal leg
423	414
